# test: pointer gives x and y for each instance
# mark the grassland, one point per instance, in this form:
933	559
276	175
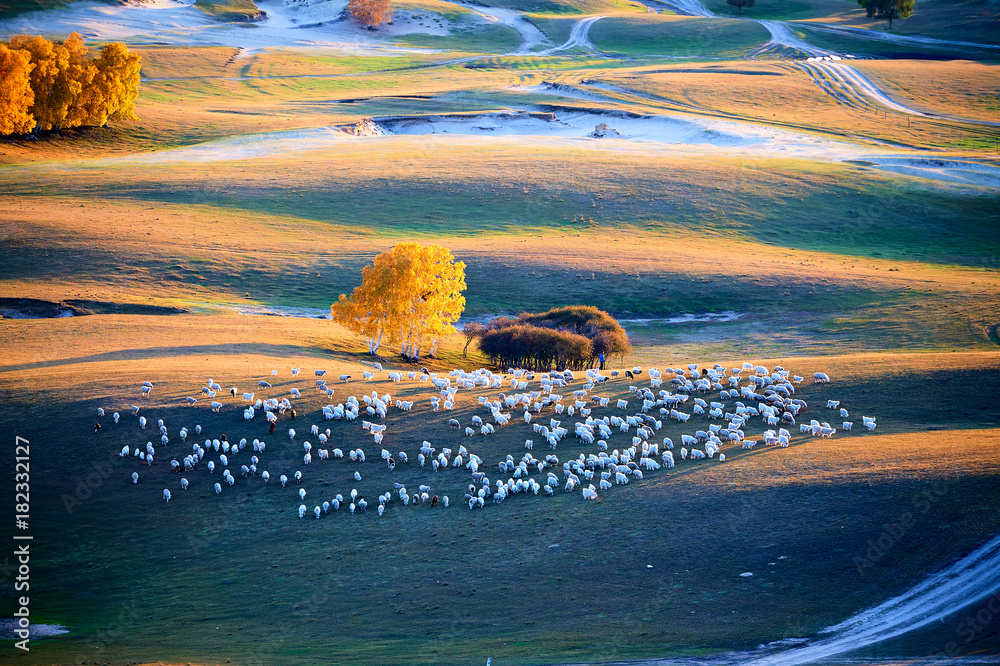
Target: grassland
15	7
793	10
230	10
967	20
886	282
421	581
656	34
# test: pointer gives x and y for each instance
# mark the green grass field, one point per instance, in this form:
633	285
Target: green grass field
229	10
420	581
672	36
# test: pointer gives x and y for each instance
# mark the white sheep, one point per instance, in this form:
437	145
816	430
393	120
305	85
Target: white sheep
166	495
184	483
218	488
135	478
821	378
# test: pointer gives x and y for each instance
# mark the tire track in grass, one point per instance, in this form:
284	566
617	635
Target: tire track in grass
967	581
579	37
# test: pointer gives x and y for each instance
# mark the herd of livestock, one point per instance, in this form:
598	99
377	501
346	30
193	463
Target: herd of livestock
615	440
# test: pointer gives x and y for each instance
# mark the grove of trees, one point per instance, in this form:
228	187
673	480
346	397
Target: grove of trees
48	85
887	9
370	13
569	337
410	295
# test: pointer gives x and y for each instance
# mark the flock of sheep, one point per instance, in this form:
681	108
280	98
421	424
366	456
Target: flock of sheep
745	397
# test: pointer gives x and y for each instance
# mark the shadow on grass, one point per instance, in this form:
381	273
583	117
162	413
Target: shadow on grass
162	352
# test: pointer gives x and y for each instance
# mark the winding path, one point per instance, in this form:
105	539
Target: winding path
971	579
875	35
530	35
579	37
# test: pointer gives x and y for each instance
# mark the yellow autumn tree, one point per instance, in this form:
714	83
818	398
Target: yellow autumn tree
410	295
16	97
58	78
65	89
115	85
370	13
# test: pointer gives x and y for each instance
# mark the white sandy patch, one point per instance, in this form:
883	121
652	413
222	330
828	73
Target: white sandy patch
675	134
318	24
7	626
279	311
703	318
689	8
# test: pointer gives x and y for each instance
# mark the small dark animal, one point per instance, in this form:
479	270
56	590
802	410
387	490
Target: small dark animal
434	501
424	371
271	430
233	391
629	375
223	437
97	427
293	414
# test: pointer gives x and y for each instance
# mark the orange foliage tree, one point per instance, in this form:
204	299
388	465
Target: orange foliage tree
370	13
409	295
65	89
16	97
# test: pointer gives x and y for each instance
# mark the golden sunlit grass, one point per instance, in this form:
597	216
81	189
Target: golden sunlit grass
959	87
784	95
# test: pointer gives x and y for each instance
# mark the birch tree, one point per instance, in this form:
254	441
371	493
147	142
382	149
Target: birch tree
410	295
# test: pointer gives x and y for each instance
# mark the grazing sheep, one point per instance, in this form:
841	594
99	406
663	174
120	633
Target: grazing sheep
218	488
184	483
135	478
166	495
821	378
302	510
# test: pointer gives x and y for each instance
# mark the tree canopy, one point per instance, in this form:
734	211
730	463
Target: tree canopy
887	9
409	295
568	337
47	85
370	13
741	4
